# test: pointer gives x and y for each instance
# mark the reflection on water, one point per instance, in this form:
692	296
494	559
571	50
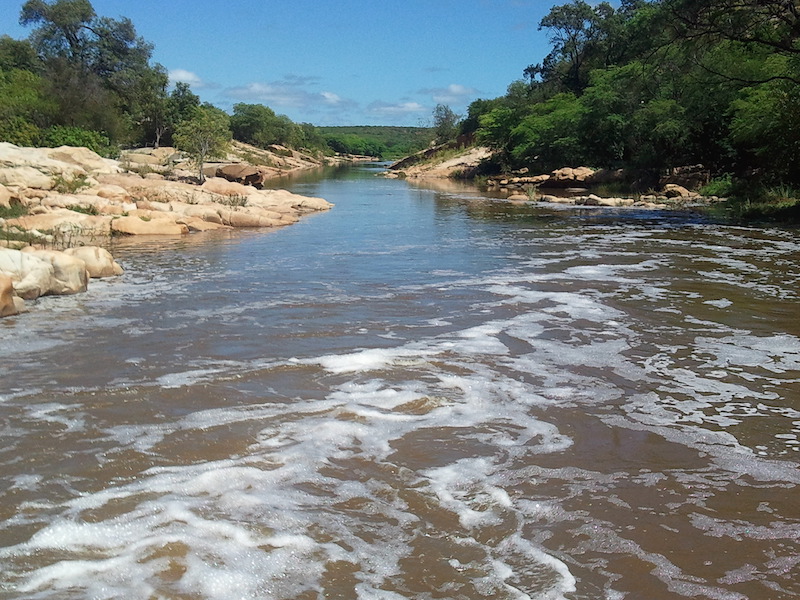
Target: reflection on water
419	394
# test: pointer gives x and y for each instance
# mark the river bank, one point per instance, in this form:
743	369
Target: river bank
54	199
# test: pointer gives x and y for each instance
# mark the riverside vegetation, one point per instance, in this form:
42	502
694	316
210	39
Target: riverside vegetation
650	86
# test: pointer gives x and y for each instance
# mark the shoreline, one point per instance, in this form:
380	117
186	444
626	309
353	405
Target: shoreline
60	207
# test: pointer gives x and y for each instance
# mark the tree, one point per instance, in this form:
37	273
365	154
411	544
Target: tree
62	27
575	29
550	137
98	68
258	125
445	123
18	54
206	135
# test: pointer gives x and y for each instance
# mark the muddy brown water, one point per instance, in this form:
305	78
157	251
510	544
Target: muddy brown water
420	394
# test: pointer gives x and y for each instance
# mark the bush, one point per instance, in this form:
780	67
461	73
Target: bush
60	135
69	186
19	131
719	186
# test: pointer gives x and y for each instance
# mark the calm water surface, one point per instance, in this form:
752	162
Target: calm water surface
420	394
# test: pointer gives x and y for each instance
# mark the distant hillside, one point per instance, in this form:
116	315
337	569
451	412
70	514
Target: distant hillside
382	141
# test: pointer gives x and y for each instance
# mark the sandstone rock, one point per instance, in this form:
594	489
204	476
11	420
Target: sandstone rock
205	212
243	173
673	190
518	198
236	218
141	159
136	226
224	187
66	222
5	196
7	304
88	161
69	272
99	262
570	175
25	177
115	193
197	224
31	276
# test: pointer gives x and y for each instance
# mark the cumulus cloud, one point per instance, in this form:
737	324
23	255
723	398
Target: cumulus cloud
184	76
332	98
452	94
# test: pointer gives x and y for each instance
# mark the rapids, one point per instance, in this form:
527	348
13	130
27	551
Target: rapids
420	394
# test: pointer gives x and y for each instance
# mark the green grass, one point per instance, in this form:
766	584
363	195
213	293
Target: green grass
14	211
754	203
721	186
86	210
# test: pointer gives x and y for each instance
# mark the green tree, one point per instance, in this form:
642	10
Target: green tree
24	106
766	125
62	28
204	136
258	125
97	68
576	30
445	123
18	54
550	137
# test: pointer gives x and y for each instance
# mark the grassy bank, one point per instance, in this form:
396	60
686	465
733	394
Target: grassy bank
754	202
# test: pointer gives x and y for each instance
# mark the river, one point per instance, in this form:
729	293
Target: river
421	394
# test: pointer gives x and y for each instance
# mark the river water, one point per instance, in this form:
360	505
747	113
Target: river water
420	394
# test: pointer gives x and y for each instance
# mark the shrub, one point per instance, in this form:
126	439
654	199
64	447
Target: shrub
18	131
69	186
59	135
86	210
719	186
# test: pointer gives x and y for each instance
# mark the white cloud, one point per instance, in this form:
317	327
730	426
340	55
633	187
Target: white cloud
290	95
184	76
452	94
279	93
331	98
402	108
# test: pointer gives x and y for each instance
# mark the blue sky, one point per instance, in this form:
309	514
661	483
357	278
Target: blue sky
344	62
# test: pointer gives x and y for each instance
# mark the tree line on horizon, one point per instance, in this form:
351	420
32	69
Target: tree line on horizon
80	79
653	85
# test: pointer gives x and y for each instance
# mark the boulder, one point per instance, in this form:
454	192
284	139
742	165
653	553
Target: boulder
236	218
137	226
25	177
112	192
67	222
243	173
673	190
205	212
69	272
7	305
568	175
225	187
197	224
31	276
99	262
85	159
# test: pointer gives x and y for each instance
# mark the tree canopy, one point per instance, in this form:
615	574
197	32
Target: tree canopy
655	85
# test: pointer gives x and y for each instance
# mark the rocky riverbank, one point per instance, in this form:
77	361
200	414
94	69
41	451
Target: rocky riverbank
60	206
579	186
